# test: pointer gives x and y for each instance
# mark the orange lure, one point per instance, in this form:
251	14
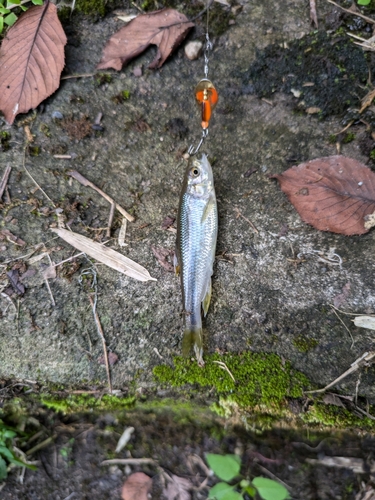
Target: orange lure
206	96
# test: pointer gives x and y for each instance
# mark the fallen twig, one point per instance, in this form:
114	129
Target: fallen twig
347	329
358	363
224	367
272	476
313	15
85	182
84	75
4	180
110	219
122	233
101	334
41	445
34	181
368	19
129	461
239	214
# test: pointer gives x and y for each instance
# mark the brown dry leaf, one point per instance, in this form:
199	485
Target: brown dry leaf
162	254
335	193
31	60
6	234
107	256
341	298
164	28
178	489
136	487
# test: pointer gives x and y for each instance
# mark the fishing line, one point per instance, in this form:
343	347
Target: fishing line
206	94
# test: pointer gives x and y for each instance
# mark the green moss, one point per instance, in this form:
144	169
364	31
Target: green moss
45	129
86	402
34	150
260	379
304	344
4	140
348	138
102	78
91	7
336	416
332	139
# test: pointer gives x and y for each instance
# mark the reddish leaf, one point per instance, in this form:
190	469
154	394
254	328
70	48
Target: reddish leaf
31	60
136	487
164	28
162	255
335	193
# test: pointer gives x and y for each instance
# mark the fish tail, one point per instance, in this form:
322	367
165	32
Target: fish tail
193	337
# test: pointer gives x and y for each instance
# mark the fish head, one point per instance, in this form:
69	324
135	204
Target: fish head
199	177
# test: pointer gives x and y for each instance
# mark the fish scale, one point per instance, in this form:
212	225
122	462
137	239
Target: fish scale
195	250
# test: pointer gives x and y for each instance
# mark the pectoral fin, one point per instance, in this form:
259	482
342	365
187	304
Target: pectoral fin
207	298
176	265
210	205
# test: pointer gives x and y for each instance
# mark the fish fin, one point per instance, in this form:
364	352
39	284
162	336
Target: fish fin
193	338
207	298
210	205
176	265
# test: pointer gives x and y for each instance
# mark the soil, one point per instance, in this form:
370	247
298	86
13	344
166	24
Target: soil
274	279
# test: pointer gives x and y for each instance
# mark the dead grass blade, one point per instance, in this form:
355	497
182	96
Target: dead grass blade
105	255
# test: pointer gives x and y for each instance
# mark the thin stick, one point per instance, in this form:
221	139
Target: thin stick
358	363
101	334
358	14
129	461
50	292
85	182
69	259
347	329
224	367
272	476
84	75
343	312
4	180
246	219
313	15
110	219
41	445
34	181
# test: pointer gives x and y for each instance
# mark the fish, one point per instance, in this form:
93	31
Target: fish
197	227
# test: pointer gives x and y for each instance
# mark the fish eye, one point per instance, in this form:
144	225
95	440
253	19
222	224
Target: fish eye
194	172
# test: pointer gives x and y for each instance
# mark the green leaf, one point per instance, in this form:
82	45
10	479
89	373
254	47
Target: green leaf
363	2
269	489
6	453
15	461
10	19
219	490
226	467
9	434
13	2
4	11
37	2
22	7
1	30
3	469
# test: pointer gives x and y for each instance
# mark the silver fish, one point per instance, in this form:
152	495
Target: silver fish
195	249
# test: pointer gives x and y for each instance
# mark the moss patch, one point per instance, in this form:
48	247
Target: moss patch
326	70
260	379
86	402
338	417
304	344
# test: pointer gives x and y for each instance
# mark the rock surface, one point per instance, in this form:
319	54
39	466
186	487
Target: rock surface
275	277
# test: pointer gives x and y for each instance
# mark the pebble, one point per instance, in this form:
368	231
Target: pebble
56	115
193	50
